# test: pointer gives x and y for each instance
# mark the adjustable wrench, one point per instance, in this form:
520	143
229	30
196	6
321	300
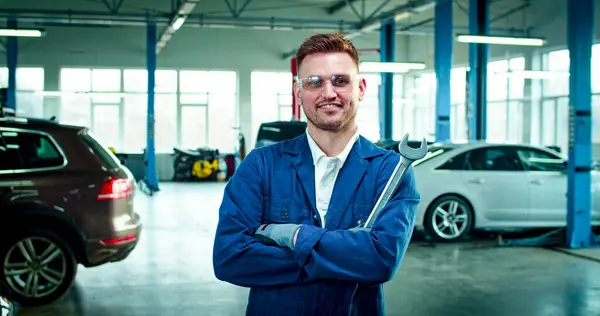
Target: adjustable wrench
408	155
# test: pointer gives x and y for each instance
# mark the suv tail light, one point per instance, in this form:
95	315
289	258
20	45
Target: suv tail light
115	189
116	241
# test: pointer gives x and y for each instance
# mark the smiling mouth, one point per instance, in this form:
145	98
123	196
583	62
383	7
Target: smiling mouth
330	106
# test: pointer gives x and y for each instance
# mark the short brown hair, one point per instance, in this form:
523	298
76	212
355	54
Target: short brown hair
326	43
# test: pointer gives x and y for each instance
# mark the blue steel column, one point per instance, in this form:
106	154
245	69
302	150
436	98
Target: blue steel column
387	51
151	177
443	65
580	29
477	75
11	63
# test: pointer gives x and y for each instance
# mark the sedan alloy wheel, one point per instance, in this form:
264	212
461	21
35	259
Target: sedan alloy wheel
449	219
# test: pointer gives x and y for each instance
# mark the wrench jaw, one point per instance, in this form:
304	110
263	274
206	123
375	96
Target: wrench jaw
412	153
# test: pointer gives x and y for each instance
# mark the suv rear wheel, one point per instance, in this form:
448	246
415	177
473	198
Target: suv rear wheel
38	267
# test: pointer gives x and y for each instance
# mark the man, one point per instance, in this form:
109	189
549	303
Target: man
288	223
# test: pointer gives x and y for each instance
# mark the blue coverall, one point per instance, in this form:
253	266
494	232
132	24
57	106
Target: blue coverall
330	271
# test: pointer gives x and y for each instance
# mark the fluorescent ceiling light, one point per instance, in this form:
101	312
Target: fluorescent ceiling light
402	16
501	40
368	66
21	33
533	74
178	23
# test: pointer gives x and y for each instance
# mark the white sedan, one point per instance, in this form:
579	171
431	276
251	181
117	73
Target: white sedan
493	187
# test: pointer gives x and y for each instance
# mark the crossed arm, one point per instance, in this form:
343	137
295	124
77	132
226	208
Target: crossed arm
317	253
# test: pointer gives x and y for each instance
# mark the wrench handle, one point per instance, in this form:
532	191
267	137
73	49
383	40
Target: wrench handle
390	189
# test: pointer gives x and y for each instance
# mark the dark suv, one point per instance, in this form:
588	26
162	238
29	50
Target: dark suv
273	132
65	200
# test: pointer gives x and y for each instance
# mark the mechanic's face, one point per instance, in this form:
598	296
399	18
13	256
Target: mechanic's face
330	90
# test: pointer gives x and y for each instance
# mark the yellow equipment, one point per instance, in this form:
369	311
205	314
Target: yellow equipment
203	168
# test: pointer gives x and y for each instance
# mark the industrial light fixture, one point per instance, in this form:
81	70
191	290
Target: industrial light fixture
500	40
185	9
533	74
178	23
379	67
21	32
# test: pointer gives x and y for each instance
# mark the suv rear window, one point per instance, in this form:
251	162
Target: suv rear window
274	132
107	158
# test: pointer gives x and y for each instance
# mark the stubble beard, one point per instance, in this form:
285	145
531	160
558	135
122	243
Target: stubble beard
333	126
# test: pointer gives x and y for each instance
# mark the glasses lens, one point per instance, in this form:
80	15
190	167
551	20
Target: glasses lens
316	83
340	81
312	83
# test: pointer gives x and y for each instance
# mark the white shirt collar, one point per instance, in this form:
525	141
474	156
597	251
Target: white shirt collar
317	153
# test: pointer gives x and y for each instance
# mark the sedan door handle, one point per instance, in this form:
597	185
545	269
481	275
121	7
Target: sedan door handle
477	181
537	181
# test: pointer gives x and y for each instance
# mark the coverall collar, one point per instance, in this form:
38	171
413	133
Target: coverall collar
317	153
363	147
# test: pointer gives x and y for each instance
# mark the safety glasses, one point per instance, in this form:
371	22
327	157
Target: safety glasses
340	83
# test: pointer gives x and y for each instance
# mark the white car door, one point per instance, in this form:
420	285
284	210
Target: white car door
497	178
547	177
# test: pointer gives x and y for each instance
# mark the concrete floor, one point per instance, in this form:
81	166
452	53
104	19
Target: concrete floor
170	273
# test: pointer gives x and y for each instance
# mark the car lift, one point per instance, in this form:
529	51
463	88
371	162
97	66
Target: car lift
149	184
578	232
553	238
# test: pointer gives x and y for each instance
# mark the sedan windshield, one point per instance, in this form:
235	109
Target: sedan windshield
433	151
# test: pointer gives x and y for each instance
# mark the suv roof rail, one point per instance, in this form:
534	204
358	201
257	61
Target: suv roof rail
10	115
